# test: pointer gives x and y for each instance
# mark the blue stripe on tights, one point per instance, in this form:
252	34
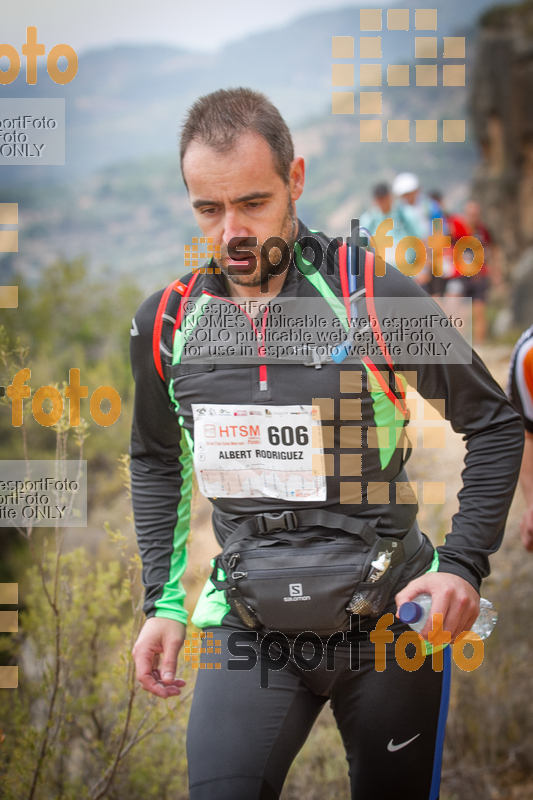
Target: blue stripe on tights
443	714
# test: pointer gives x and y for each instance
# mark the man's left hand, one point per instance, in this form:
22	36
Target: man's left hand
452	596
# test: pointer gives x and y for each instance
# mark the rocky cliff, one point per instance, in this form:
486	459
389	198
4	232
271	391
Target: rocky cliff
502	111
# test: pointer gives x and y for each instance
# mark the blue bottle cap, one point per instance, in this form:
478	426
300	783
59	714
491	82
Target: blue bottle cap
410	613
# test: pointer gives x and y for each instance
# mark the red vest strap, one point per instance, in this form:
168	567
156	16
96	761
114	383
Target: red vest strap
185	295
345	286
184	290
158	324
376	329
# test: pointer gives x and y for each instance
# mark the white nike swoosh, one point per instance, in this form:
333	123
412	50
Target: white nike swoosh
134	329
392	747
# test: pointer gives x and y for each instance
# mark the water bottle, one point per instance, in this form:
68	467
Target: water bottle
416	613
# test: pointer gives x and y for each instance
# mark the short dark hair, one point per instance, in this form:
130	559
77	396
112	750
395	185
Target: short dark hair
220	118
381	190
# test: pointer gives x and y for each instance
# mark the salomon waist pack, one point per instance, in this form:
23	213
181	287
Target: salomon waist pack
310	570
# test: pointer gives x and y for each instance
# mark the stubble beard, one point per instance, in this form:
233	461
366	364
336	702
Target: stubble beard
259	277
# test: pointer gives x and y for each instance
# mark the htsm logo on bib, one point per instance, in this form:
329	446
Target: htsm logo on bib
296	592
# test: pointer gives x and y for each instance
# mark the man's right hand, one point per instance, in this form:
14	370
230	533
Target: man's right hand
155	674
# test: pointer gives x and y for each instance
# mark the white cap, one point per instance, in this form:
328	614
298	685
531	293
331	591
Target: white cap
405	182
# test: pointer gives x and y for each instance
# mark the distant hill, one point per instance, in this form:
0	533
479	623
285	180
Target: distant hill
134	217
127	101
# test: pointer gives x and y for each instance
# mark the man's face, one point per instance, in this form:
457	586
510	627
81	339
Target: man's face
240	194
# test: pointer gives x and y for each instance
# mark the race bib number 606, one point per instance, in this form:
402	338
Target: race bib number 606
258	451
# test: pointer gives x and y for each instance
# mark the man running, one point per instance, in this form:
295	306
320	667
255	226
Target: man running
243	182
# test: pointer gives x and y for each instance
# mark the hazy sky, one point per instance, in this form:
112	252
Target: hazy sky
195	24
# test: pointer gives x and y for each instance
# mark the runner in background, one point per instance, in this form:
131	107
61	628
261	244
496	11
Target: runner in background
438	283
416	206
406	222
478	285
520	391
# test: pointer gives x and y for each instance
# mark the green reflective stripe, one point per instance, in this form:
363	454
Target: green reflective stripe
190	325
189	438
172	397
435	563
336	305
384	409
170	604
211	607
385	417
429	647
432	649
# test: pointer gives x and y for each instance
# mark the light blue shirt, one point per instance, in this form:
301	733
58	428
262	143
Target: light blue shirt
407	222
